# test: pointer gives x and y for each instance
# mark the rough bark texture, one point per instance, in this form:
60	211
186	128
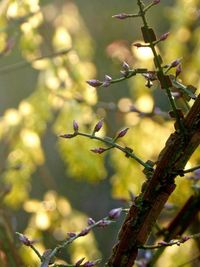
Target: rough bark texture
149	204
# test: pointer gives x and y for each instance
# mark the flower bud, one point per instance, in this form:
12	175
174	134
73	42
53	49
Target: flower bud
84	232
94	83
125	66
99	150
75	126
89	264
98	126
78	263
27	242
164	36
71	234
121	16
107	81
67	135
138	45
104	223
122	133
178	70
91	221
115	213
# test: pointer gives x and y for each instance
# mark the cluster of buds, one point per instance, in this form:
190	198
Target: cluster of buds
125	69
150	76
123	16
173	242
96	129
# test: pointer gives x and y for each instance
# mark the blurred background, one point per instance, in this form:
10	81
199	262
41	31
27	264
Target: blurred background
48	50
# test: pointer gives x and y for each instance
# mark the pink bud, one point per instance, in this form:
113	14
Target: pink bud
75	126
115	213
94	83
99	150
122	133
98	126
164	36
121	16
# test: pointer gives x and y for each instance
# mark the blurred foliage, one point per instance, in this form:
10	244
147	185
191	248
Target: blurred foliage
52	39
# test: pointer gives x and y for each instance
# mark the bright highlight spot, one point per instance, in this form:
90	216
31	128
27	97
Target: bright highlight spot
42	220
12	117
124	104
12	11
62	39
145	103
142	53
25	108
30	138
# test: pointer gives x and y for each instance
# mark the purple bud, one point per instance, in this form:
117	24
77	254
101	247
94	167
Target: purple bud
91	221
115	213
175	63
185	238
125	66
197	174
99	150
122	133
104	223
98	126
178	70
67	135
71	234
89	264
163	243
75	126
107	81
121	16
84	232
138	45
164	36
78	263
25	240
94	83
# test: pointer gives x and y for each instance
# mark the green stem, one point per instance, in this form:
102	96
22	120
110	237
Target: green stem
115	145
36	252
158	65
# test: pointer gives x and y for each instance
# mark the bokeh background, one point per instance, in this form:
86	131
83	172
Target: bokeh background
56	184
